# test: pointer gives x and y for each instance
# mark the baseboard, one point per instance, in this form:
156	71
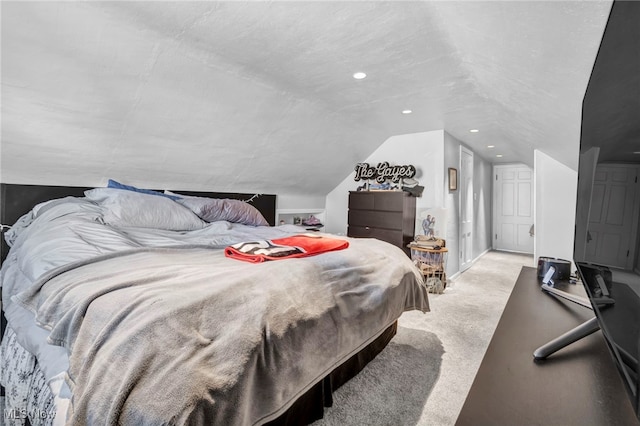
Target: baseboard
512	251
457	274
481	254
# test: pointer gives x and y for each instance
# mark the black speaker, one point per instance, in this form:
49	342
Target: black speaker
563	267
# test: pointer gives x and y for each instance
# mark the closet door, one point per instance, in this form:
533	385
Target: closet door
513	223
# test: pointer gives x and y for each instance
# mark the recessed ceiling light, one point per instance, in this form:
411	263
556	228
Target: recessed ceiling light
499	155
359	75
406	111
474	130
491	146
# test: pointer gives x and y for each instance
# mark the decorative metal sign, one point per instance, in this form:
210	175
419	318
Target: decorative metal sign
383	172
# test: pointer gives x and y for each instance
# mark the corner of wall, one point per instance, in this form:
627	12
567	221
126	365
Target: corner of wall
555	207
433	152
424	150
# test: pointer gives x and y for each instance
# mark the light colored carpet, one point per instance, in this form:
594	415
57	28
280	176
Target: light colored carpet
423	376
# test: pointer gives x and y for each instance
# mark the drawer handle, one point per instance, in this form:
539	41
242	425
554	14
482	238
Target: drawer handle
367	228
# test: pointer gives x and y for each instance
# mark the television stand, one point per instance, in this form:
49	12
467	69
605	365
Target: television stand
581	386
573	335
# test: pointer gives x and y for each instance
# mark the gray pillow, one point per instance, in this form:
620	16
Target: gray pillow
122	208
215	209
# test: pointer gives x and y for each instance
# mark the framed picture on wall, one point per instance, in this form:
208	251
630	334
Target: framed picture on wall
453	179
432	222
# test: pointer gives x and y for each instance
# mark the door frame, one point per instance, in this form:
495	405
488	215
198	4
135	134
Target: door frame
494	205
461	181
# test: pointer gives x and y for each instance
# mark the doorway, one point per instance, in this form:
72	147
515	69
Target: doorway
466	208
513	218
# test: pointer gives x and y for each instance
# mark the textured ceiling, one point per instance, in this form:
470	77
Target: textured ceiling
259	96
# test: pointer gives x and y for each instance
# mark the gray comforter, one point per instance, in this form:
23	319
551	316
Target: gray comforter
183	335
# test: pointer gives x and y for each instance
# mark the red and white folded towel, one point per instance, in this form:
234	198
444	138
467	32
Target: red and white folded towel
284	248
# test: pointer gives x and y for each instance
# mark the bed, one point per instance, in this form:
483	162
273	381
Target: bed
123	306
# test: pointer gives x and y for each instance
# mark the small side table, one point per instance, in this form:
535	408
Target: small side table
432	264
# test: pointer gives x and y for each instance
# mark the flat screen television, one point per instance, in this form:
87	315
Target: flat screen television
607	237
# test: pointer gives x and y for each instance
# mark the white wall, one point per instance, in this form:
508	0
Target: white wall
423	150
555	207
302	202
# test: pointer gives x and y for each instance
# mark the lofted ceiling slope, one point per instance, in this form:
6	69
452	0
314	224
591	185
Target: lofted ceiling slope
259	96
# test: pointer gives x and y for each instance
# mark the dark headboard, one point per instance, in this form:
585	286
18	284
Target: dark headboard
17	200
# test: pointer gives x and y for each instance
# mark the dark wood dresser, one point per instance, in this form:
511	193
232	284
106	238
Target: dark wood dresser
386	215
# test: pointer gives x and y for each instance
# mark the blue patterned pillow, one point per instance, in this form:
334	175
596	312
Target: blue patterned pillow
113	184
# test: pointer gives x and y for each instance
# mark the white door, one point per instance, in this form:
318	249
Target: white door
613	216
513	224
465	180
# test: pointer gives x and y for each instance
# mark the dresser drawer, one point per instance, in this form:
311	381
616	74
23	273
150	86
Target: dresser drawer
361	200
387	201
388	235
376	219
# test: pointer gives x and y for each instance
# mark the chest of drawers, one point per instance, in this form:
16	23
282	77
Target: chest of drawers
386	215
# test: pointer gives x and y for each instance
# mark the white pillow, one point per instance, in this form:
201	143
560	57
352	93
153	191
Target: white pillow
122	208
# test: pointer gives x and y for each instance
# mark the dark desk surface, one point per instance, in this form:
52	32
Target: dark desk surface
578	385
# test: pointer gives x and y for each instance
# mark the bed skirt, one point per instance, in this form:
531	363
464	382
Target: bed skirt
310	406
28	400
